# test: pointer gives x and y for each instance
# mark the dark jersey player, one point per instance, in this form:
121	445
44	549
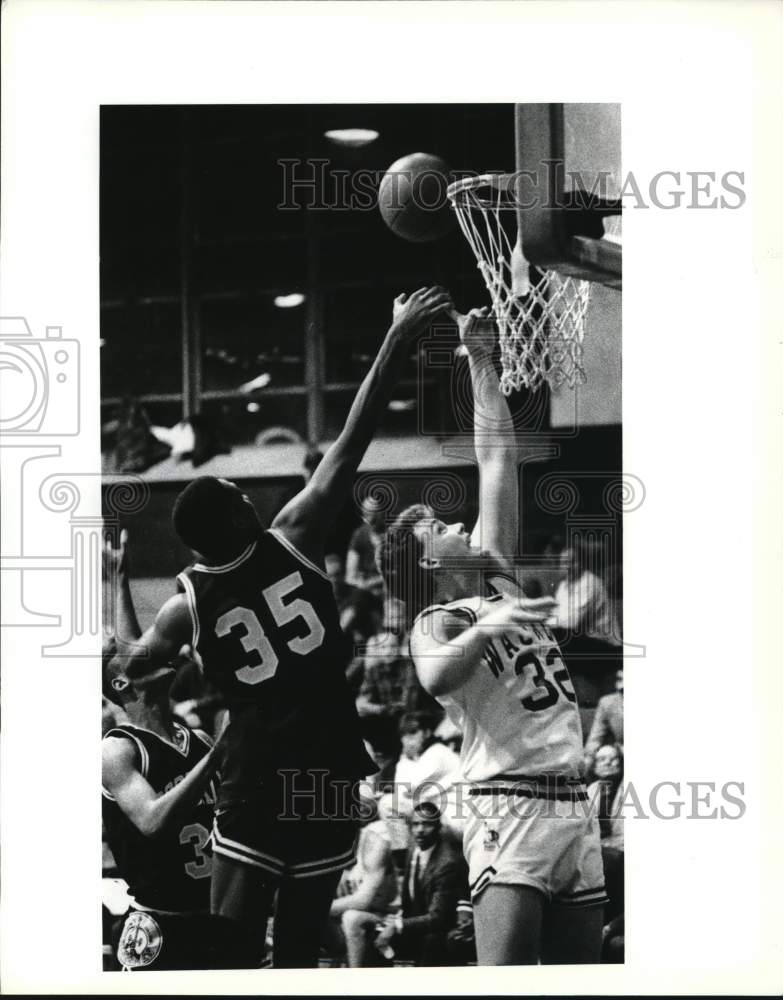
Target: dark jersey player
159	789
163	873
258	606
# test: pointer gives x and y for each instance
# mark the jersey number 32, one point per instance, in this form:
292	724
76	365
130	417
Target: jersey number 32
262	659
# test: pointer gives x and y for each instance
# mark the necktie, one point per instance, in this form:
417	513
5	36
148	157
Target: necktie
414	886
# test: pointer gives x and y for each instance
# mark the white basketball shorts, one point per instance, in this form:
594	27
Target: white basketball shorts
549	843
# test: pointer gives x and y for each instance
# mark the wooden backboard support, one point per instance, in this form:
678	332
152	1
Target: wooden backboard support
568	188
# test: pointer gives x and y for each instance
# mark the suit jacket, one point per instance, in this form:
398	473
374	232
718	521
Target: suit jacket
607	725
612	833
442	884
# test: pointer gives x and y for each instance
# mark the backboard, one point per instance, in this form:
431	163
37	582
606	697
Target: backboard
568	188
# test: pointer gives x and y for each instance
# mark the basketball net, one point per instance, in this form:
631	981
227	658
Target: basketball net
540	318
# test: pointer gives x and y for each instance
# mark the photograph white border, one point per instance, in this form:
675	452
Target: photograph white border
700	88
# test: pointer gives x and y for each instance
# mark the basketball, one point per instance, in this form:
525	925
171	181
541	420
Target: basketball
412	198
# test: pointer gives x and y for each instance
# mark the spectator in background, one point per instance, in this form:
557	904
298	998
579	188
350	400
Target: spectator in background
336	573
427	771
358	618
366	895
605	798
614	591
426	767
435	883
552	552
582	602
344	593
389	687
607	727
606	795
360	567
539	578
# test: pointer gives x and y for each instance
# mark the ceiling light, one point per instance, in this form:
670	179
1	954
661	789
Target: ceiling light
289	301
256	383
353	137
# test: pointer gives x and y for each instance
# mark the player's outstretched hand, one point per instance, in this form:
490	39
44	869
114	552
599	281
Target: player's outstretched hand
476	328
116	562
413	313
519	611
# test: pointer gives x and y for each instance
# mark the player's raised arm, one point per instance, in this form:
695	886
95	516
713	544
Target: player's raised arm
171	630
495	442
307	517
150	812
446	648
116	572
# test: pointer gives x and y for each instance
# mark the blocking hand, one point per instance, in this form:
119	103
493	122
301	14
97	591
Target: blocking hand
476	328
116	562
519	611
413	313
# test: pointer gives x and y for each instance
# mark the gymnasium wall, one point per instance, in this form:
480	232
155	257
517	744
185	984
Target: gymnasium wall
588	463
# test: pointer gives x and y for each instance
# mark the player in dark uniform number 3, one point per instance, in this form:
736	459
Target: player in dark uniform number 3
259	608
159	783
169	925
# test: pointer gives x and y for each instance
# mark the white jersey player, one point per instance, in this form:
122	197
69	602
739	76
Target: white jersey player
518	706
487	655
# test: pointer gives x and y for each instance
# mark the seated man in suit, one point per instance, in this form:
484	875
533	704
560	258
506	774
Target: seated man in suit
435	883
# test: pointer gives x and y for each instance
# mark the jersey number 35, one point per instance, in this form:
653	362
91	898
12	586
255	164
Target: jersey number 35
262	659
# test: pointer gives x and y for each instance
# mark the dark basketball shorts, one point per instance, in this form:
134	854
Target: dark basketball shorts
292	831
151	941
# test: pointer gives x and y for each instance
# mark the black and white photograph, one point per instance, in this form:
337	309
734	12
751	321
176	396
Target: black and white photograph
389	437
362	366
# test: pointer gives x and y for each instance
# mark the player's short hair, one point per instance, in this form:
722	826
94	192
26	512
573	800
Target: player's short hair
109	670
398	558
203	515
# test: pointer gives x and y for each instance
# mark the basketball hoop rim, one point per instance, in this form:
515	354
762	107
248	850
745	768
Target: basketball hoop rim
500	182
541	317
